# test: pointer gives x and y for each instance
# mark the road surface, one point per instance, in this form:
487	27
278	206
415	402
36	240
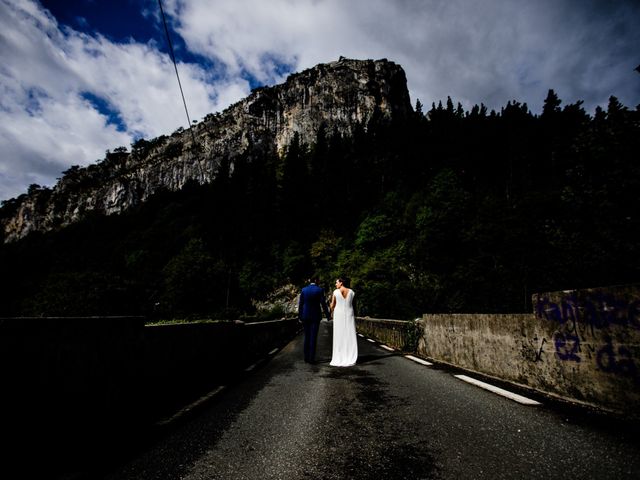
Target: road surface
386	417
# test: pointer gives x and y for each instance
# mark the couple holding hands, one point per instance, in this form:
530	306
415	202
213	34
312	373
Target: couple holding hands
311	304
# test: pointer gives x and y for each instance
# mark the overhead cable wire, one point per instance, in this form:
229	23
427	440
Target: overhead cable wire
175	65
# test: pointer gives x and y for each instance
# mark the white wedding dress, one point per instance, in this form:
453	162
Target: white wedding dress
345	343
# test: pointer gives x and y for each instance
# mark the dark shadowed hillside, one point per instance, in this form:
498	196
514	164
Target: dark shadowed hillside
439	211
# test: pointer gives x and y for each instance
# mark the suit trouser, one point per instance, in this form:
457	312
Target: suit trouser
310	339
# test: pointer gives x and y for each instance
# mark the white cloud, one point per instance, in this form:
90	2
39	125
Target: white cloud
490	51
46	124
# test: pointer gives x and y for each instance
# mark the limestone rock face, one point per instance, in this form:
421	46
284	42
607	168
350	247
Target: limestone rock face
337	95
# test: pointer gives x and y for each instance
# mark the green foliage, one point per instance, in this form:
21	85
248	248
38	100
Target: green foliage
77	294
411	336
274	313
192	278
295	263
447	211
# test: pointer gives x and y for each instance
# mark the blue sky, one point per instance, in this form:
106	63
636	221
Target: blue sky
79	77
119	20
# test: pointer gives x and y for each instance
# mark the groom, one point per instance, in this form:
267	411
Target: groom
312	303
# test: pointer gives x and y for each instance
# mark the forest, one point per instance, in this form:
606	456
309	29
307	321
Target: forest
447	211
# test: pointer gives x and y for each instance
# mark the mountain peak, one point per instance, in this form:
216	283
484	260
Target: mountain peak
338	95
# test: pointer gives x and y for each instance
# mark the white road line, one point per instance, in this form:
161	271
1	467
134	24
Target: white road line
387	348
505	393
369	340
419	360
361	335
186	409
273	351
248	369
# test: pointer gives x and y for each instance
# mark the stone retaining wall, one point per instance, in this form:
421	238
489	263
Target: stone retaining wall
73	385
183	360
582	346
578	345
399	334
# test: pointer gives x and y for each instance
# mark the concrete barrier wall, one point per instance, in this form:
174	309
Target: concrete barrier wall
183	360
399	334
68	380
65	382
583	346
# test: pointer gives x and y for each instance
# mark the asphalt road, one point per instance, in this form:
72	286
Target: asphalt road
386	417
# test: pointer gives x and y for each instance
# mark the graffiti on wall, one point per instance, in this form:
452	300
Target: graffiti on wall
533	348
585	324
596	310
567	346
617	360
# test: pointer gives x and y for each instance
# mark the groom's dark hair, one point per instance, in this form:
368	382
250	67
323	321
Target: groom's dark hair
314	279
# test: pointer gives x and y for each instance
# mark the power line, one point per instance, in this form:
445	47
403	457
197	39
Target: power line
173	57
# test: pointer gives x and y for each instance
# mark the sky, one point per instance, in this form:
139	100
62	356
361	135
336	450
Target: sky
79	77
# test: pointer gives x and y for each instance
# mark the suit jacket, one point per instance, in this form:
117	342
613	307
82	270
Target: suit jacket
312	303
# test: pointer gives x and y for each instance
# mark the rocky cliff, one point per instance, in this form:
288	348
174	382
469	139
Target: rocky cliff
337	95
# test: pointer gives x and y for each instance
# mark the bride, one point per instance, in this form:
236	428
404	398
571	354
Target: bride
345	343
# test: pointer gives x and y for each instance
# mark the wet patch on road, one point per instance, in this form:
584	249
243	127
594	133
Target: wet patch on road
365	436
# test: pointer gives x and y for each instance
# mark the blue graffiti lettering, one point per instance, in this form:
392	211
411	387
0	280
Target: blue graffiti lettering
606	358
622	363
596	310
567	347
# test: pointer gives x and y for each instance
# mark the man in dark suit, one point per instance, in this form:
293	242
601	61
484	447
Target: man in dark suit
312	303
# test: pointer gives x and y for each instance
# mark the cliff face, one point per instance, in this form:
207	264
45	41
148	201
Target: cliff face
337	95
